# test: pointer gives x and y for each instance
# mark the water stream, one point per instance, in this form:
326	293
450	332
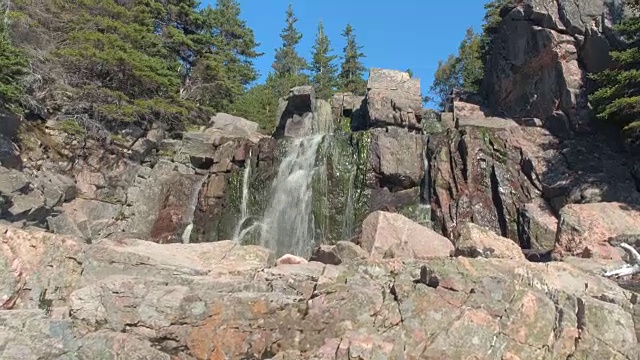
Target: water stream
193	205
348	218
287	224
238	232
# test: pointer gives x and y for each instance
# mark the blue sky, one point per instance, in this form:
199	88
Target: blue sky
397	34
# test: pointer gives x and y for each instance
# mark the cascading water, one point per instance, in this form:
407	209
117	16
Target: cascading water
193	204
347	219
426	190
238	232
288	224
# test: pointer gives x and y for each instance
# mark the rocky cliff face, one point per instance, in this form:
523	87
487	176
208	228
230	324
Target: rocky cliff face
541	54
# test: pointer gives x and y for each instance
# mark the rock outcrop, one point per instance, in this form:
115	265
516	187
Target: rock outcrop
542	53
517	179
393	98
300	112
128	298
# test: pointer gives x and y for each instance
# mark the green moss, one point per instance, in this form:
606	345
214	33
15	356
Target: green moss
71	127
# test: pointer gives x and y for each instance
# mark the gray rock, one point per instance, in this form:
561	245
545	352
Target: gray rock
9	124
92	218
301	114
341	252
234	125
545	49
396	158
9	153
393	98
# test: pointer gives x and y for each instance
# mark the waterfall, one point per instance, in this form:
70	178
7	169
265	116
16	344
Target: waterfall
193	205
288	222
347	219
244	213
426	190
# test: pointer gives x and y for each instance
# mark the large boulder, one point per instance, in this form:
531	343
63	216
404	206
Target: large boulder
234	125
515	179
584	229
387	234
477	175
393	98
542	53
9	154
32	196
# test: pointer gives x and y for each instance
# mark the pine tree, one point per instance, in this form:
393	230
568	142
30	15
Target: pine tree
322	68
287	61
140	61
617	100
352	70
12	68
226	48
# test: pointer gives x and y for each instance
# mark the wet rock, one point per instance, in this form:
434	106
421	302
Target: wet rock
476	241
393	98
584	229
383	230
396	158
341	252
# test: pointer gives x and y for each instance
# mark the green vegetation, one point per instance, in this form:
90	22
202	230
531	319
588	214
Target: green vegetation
324	71
352	70
260	103
131	61
116	63
466	69
12	67
617	99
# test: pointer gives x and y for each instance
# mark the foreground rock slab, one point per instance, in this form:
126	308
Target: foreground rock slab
140	300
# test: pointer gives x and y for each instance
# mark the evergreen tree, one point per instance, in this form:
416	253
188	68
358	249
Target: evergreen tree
223	65
12	68
322	68
446	78
618	98
136	61
287	61
258	104
352	70
466	69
